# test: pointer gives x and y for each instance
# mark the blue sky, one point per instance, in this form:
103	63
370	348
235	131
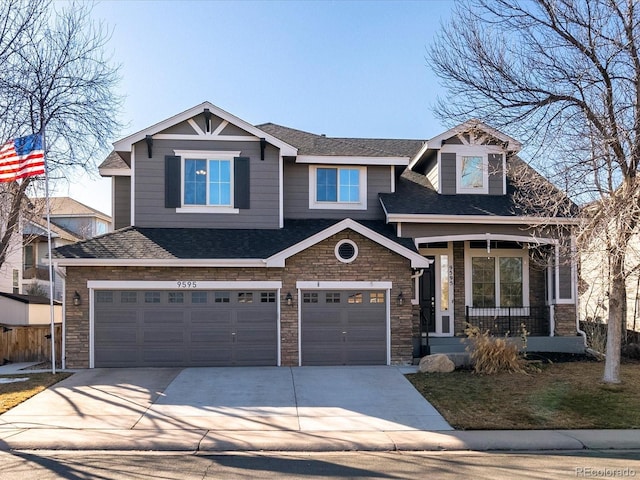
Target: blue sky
342	68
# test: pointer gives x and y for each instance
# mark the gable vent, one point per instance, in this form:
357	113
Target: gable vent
346	251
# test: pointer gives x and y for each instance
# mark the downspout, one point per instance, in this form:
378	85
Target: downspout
63	275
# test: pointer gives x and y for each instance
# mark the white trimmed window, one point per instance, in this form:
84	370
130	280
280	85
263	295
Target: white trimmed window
496	279
208	182
472	172
343	187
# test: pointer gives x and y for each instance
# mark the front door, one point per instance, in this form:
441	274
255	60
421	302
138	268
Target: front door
427	307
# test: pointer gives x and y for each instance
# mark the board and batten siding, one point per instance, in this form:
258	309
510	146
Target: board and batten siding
150	187
296	194
496	174
121	202
448	173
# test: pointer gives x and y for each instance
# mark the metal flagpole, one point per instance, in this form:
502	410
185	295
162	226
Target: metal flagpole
51	307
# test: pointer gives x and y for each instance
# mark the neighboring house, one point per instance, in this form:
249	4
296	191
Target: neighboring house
595	281
264	245
28	310
71	221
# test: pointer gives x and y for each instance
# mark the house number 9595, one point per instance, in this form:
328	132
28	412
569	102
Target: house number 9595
187	284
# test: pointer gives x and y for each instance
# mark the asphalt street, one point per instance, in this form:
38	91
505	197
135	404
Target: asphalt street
47	465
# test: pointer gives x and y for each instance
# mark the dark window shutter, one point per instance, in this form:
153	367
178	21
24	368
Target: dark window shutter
172	177
241	187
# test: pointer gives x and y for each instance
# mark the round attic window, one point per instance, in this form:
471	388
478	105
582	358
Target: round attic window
346	251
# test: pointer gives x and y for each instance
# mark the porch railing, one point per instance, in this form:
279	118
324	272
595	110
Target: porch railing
503	320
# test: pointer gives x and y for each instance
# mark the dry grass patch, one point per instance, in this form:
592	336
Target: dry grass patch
559	396
12	394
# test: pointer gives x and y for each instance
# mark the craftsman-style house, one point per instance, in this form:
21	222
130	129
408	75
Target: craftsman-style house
238	244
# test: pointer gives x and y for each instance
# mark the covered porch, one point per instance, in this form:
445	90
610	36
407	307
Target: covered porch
496	282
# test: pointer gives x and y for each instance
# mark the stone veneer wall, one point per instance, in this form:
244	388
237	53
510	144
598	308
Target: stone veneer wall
459	311
374	263
565	319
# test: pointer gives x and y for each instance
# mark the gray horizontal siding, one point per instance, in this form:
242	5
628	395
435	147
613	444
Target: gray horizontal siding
296	194
149	188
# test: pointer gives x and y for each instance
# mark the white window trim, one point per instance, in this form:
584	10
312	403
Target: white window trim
360	205
469	253
205	155
465	151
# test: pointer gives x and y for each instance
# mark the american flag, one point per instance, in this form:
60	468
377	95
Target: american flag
22	157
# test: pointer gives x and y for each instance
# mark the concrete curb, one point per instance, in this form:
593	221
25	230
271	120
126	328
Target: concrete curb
203	441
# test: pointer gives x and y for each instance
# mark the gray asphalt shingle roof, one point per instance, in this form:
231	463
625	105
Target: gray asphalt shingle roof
312	144
415	195
203	243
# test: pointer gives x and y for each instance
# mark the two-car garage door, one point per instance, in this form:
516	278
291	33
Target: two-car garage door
140	328
153	328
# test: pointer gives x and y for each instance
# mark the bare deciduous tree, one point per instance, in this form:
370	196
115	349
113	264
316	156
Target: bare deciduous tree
564	76
57	79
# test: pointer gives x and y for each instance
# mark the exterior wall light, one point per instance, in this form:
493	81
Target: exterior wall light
289	299
77	301
400	299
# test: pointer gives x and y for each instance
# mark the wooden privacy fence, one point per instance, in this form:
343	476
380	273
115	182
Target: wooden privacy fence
28	343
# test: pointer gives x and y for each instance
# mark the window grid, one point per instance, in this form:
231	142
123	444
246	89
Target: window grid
198	297
309	297
151	297
104	296
128	297
332	297
245	297
376	297
268	297
355	298
338	185
221	297
176	297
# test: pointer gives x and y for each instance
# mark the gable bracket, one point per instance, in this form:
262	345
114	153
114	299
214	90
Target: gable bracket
149	140
263	145
207	120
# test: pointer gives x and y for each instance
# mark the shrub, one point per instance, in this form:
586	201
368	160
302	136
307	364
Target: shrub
490	355
631	351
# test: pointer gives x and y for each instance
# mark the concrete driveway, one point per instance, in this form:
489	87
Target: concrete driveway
234	403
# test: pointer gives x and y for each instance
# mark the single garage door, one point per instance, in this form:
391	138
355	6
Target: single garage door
152	328
344	328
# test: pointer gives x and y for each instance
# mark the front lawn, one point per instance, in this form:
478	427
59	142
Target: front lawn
560	396
14	392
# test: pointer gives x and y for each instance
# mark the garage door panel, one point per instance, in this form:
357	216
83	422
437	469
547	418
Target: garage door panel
344	328
214	357
163	356
198	328
116	336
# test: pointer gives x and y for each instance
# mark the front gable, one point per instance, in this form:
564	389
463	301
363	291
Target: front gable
468	159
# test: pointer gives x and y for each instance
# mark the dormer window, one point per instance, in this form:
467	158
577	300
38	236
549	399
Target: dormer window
472	173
